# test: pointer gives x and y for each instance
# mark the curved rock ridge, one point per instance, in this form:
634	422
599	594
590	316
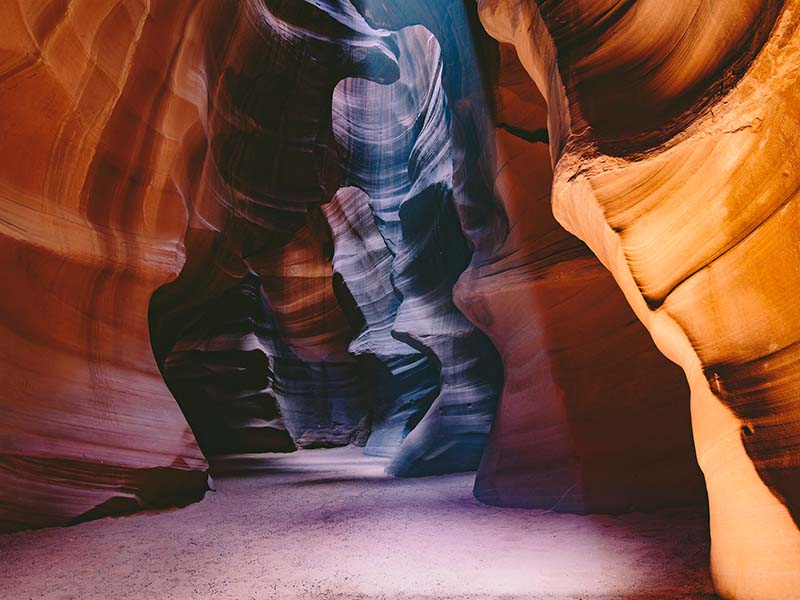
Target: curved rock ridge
468	56
242	386
397	149
376	127
259	159
270	70
636	91
321	389
89	229
404	381
699	233
592	417
323	401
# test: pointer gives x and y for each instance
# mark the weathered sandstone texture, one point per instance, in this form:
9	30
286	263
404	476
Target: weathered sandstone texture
91	226
462	235
684	184
591	417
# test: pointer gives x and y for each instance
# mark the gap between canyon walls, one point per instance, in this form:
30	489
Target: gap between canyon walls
181	132
286	148
347	321
425	182
398	152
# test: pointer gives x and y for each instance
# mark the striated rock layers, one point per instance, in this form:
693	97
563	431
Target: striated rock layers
90	227
397	149
195	139
350	373
330	223
591	417
672	133
124	116
260	158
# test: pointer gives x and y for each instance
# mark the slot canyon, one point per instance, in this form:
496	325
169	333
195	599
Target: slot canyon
394	299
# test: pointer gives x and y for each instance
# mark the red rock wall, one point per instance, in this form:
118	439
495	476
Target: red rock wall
145	142
146	134
90	228
127	115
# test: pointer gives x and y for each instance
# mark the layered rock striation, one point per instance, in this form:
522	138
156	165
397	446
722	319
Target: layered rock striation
90	228
685	190
396	145
591	417
334	222
147	133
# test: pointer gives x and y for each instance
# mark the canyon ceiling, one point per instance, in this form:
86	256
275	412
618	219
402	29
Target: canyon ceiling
556	242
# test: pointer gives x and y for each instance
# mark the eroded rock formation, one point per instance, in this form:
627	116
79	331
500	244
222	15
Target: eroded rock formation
591	417
90	228
398	151
261	157
685	190
594	419
260	224
345	219
127	116
225	109
404	381
224	378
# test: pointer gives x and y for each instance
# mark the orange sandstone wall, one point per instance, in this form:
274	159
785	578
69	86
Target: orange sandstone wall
672	133
91	226
592	417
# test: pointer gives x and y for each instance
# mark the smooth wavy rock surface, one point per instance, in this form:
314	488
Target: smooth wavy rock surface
699	230
592	418
404	381
323	400
125	115
89	229
396	142
260	158
326	400
363	222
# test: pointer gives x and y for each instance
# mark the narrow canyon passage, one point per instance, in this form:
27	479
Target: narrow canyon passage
330	524
399	299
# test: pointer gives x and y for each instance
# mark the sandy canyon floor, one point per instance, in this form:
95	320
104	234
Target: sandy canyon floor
328	524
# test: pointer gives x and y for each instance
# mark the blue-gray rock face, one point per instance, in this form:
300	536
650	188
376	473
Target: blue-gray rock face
402	381
356	326
397	150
